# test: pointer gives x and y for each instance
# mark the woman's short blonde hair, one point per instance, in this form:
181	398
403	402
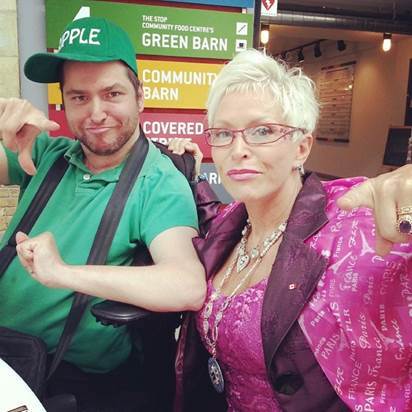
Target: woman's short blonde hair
252	71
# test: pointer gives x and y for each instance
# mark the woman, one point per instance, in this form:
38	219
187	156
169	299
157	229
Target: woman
301	313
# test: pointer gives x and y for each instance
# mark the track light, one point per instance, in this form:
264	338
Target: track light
317	51
387	42
298	51
341	45
264	34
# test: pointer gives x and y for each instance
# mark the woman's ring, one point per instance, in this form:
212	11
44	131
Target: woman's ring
404	220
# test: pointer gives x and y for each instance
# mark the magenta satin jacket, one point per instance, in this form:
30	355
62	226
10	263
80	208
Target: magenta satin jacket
337	318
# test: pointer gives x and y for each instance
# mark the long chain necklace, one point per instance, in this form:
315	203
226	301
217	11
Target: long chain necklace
215	372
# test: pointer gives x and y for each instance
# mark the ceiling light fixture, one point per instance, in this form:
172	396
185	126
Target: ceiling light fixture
387	42
264	34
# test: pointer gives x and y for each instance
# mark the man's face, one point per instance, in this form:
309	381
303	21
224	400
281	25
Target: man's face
101	105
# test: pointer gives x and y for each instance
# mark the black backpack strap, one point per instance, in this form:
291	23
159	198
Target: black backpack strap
46	189
103	240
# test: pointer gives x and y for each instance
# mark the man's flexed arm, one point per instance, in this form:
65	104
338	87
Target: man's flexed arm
20	123
175	282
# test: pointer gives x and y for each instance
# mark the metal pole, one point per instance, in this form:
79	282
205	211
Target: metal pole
256	24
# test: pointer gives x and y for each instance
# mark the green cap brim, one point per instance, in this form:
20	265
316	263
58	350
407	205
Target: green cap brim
45	67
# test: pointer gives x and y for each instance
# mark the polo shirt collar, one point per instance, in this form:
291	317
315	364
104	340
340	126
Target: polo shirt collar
74	155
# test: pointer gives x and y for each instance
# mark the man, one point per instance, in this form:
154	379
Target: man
96	67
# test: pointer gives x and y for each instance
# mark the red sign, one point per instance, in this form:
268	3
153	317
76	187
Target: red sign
268	4
157	126
59	117
269	8
164	126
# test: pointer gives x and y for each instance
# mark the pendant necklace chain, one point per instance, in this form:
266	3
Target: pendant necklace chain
241	263
243	258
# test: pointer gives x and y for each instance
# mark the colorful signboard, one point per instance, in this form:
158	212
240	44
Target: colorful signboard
162	31
228	3
172	85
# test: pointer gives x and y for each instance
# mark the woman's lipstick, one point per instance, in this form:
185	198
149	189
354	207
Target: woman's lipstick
242	174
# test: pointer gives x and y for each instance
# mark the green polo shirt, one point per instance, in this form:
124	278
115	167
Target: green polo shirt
161	199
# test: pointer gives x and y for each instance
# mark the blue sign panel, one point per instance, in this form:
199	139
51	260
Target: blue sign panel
228	3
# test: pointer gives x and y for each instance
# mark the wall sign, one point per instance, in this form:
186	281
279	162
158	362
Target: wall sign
164	31
335	96
182	85
269	8
162	127
170	32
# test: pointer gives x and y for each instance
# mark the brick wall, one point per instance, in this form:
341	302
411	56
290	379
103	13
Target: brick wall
8	202
9	87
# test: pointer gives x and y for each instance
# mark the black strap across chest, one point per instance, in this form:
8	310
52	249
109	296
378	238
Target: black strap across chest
102	240
46	189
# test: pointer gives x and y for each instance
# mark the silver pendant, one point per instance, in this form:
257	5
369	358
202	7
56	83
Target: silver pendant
216	375
254	253
242	262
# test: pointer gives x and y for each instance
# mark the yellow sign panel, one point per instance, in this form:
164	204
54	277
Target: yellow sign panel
166	84
55	97
176	85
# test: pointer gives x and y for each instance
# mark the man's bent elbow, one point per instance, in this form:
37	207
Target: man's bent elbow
197	301
196	293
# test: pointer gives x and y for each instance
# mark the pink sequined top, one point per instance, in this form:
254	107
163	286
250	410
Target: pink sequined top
240	351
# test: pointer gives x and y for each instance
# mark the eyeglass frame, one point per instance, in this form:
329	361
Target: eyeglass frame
242	132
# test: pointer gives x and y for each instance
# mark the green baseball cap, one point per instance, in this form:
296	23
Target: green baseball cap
90	39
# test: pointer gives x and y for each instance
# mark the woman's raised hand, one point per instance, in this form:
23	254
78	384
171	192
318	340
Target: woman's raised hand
385	194
180	145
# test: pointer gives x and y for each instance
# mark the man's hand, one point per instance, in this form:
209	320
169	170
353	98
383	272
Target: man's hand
181	145
20	123
384	194
40	257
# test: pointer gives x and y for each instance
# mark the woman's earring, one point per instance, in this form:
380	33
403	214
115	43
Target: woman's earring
300	169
